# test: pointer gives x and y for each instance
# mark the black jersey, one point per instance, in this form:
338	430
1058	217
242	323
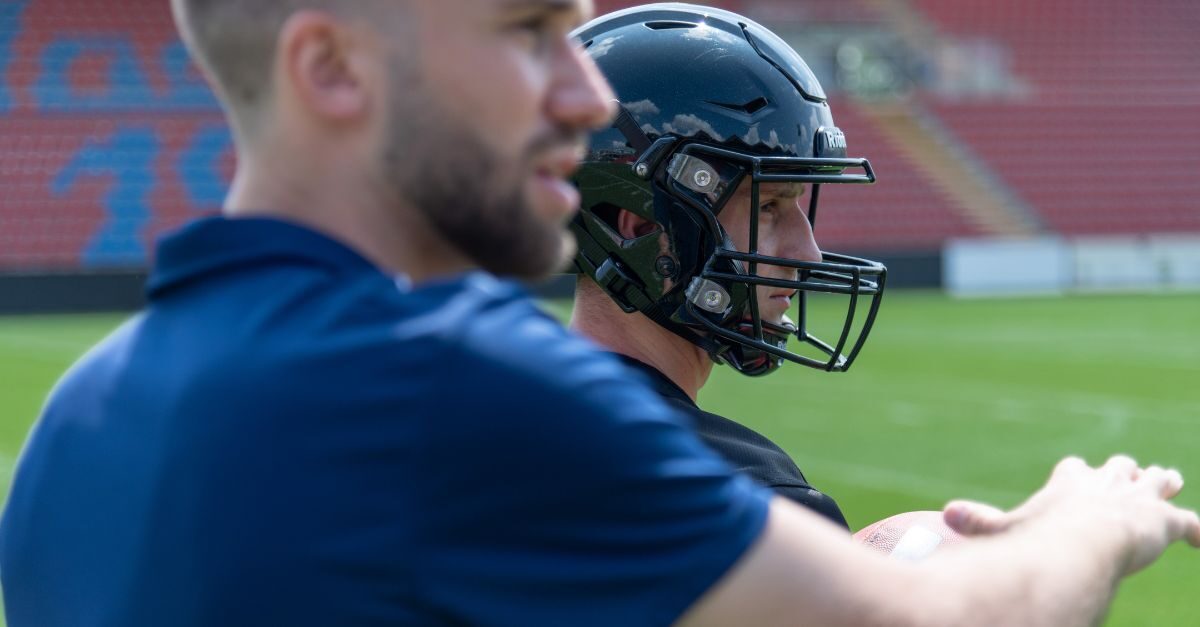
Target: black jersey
745	449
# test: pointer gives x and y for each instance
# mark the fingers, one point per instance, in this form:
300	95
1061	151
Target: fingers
1183	524
1069	466
970	518
1174	483
1192	533
1122	466
1166	482
1141	494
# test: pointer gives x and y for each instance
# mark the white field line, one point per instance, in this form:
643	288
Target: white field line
6	470
1152	348
995	403
40	341
903	482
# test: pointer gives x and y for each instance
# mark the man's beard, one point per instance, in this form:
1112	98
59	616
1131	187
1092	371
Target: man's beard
475	199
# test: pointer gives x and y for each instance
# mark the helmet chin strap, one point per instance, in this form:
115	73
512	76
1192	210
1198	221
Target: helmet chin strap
715	350
753	362
785	326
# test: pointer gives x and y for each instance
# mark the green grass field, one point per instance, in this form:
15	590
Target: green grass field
949	399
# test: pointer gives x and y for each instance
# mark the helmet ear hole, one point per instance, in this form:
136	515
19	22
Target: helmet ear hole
624	223
608	214
632	226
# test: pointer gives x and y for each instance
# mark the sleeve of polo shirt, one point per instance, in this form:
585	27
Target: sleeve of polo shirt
578	498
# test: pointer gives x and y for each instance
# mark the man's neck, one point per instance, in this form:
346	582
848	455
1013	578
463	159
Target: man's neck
597	317
395	240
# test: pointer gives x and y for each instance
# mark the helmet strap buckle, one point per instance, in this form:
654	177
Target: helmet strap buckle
614	280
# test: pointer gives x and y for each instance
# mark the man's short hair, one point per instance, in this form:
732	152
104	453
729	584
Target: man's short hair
235	41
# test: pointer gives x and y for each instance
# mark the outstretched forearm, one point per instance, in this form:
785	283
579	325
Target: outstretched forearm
803	571
1059	577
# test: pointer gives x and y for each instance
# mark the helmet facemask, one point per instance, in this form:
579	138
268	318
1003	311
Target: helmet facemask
721	300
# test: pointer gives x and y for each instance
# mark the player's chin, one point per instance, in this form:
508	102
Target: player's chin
772	310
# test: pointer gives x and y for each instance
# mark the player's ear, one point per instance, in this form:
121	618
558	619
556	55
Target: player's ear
631	225
324	64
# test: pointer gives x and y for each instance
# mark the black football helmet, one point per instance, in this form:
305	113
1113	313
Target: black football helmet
708	99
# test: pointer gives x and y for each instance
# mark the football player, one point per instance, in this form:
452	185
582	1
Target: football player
697	218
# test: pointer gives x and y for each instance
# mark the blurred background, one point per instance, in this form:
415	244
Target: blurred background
1066	126
1041	154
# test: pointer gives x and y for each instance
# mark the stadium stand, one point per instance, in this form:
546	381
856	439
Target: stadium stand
1093	169
1082	51
108	135
904	211
1104	142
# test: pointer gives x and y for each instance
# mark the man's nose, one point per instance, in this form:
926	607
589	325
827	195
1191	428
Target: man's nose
580	96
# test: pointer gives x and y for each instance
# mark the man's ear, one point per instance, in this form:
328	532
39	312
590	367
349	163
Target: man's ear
631	225
322	61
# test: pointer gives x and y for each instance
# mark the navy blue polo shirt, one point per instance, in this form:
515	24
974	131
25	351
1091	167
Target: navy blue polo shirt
289	436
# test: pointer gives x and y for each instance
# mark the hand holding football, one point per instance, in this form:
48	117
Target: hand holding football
911	536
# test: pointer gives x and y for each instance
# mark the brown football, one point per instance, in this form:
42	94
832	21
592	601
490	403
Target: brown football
911	536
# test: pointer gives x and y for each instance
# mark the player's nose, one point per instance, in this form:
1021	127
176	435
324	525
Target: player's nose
580	97
804	242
